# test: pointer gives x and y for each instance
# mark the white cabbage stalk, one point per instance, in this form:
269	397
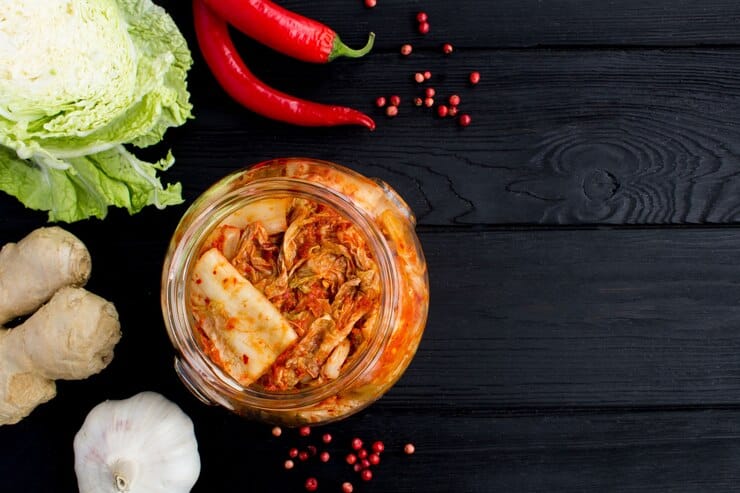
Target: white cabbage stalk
79	79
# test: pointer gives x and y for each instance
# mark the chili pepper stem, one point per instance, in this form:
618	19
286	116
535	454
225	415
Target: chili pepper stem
340	49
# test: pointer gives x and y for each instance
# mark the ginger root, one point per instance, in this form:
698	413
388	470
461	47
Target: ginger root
70	337
33	269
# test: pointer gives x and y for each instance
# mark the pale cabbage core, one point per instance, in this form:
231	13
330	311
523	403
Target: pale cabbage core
80	58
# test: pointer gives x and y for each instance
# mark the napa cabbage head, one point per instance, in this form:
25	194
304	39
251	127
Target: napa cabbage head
81	82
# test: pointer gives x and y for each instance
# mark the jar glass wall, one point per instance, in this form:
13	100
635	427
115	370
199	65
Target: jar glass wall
392	335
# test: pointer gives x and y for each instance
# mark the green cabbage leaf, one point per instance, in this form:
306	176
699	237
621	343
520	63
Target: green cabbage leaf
81	82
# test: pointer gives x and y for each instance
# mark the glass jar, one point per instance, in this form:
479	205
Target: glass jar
388	226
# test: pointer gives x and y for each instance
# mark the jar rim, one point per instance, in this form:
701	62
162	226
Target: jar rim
215	206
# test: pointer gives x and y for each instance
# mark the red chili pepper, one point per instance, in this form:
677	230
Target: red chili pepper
239	82
286	31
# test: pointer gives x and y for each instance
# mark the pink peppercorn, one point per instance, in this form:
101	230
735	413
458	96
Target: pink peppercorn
277	431
395	100
311	450
378	447
347	487
303	456
429	102
447	48
442	111
289	464
326	438
409	449
293	453
362	453
422	17
427	75
429	92
374	459
464	120
311	484
391	111
406	49
366	475
324	456
356	443
357	467
474	77
365	463
370	3
351	459
380	102
419	77
304	431
454	100
418	101
452	111
424	28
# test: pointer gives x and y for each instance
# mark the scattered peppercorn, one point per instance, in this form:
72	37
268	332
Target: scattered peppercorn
429	102
419	77
374	459
366	475
422	17
447	48
304	431
370	3
356	443
312	484
427	75
380	102
474	77
347	487
289	464
365	463
406	49
409	448
395	100
429	92
326	438
442	111
357	467
303	455
424	28
391	111
464	120
362	453
324	456
277	431
452	111
293	453
418	101
378	447
311	450
351	459
454	100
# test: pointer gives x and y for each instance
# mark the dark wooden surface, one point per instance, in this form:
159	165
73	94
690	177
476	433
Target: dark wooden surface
582	240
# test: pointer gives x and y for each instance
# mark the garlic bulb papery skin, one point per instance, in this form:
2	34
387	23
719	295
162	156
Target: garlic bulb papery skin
144	444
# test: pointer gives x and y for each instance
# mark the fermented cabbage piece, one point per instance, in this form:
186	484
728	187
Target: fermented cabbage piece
245	332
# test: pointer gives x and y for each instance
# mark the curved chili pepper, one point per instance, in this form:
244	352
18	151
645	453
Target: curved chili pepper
285	31
239	82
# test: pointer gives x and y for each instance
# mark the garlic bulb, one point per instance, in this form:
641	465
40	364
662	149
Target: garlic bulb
144	444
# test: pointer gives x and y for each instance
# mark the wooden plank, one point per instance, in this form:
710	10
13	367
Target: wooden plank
561	452
580	318
558	137
513	23
518	319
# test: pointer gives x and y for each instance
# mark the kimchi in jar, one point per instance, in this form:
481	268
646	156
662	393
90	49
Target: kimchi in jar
295	292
